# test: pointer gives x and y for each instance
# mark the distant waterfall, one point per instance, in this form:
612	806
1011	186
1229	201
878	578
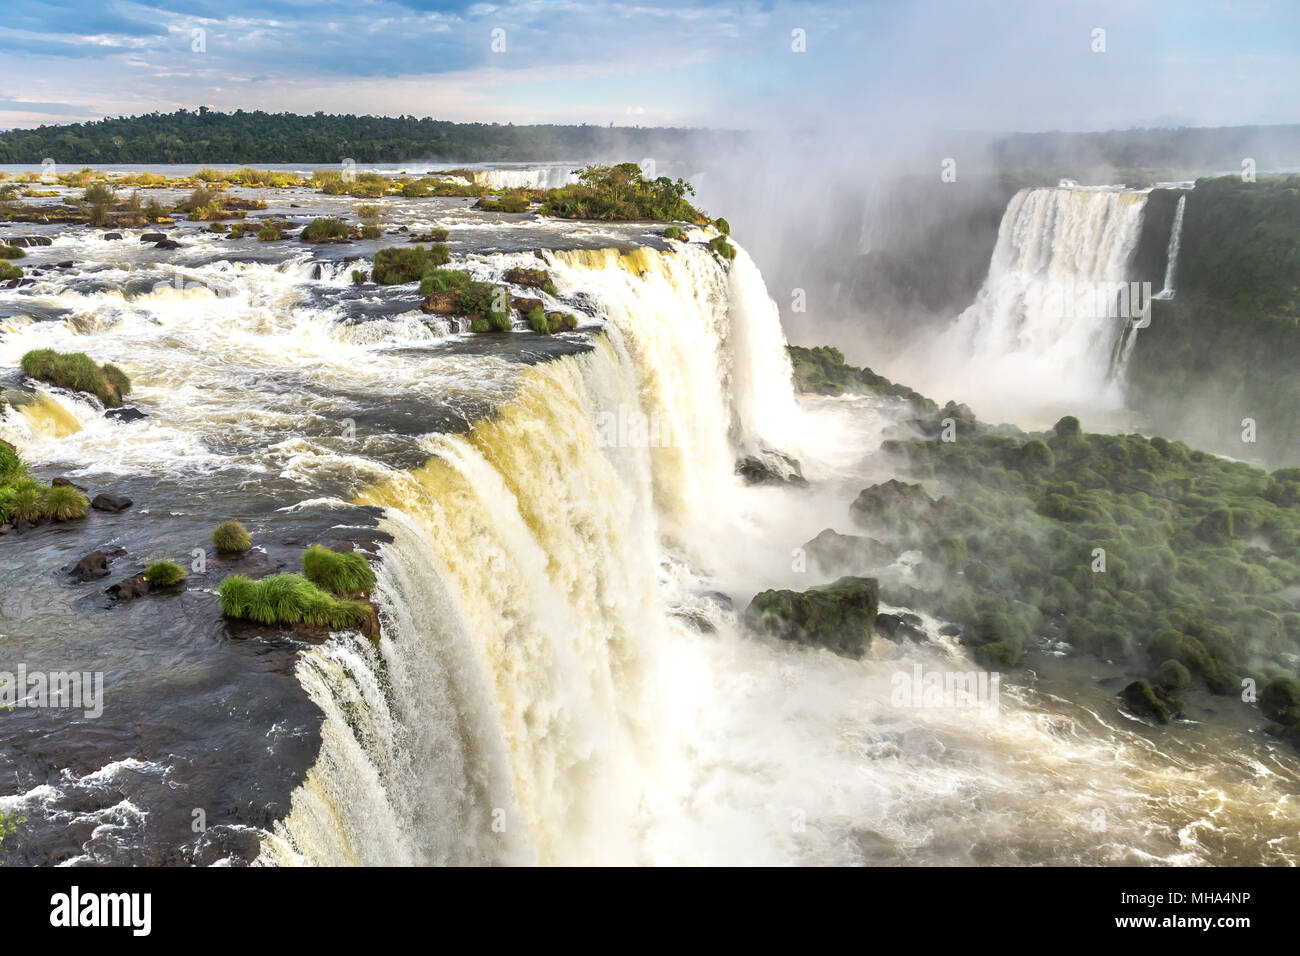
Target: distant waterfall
1175	239
1044	328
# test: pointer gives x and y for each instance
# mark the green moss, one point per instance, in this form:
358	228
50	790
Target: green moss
1173	676
164	574
78	372
722	226
1142	700
9	271
371	232
1280	700
399	264
269	233
674	232
288	599
231	537
339	573
11	252
839	616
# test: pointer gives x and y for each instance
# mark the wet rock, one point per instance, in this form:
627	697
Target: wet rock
61	482
93	565
27	242
111	503
950	630
153	237
167	244
125	413
839	616
441	303
6	528
771	469
892	502
111	237
526	305
129	589
66	264
837	553
897	626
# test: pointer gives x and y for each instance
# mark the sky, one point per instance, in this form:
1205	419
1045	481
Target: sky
966	64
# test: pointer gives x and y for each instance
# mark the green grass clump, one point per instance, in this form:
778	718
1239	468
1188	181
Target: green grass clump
64	503
231	537
538	321
508	201
11	466
722	226
398	264
22	500
325	229
340	573
269	233
78	372
164	574
440	280
9	271
674	232
287	599
11	252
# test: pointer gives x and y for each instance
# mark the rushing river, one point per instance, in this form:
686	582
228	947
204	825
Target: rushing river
562	549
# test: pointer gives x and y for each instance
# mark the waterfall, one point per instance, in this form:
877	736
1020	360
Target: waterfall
1044	327
515	709
1175	238
537	177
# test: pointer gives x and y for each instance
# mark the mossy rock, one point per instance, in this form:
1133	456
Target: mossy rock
77	371
1280	700
1142	700
840	616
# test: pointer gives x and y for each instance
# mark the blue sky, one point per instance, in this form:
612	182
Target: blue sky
1011	64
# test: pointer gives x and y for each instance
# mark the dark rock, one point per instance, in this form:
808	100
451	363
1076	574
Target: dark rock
6	528
897	626
66	264
93	565
27	242
125	413
61	482
837	553
129	588
153	237
167	244
950	630
891	502
441	303
111	236
111	503
772	468
839	616
526	305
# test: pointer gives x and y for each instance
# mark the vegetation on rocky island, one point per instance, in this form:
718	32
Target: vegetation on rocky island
77	371
325	229
823	371
164	574
23	499
399	264
620	193
288	599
